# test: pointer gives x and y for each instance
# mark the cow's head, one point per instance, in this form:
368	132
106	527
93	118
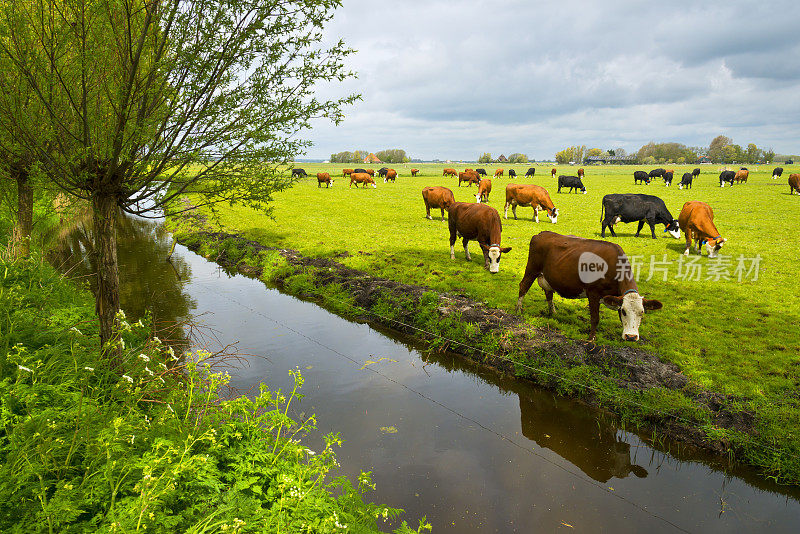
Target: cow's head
631	306
553	214
713	245
494	252
674	229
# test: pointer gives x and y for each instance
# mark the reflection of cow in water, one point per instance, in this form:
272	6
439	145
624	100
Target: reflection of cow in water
572	431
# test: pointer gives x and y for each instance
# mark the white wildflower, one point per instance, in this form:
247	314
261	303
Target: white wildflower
121	343
91	369
144	357
156	340
23	368
121	314
73	329
133	437
129	379
161	364
310	452
148	370
170	408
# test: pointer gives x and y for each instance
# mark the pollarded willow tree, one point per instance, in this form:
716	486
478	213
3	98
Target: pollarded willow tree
146	101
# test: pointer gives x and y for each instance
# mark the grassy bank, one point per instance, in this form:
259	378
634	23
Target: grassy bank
160	448
731	330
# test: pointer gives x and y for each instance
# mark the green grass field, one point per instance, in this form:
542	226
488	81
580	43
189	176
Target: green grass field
730	336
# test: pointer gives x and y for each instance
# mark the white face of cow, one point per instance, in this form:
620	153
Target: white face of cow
713	247
494	259
554	216
631	308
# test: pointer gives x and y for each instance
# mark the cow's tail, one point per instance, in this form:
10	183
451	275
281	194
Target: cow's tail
602	210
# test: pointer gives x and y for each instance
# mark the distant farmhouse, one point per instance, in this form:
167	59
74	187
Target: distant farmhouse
630	159
372	158
704	159
501	159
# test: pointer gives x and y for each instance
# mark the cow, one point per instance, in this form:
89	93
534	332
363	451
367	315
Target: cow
531	171
741	176
391	174
347	172
573	182
482	172
437	197
656	173
641	176
469	177
580	173
726	176
777	172
553	172
599	271
449	172
530	195
360	170
382	172
324	177
361	178
298	173
414	172
794	183
668	175
632	207
512	173
469	170
498	172
484	188
370	172
686	180
480	222
697	221
696	172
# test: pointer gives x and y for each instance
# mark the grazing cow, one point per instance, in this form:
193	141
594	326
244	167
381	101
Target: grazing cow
484	188
573	182
599	271
449	172
324	177
632	207
686	180
498	172
531	171
414	172
741	176
656	173
726	176
469	177
480	222
512	173
668	175
530	195
360	170
298	173
391	174
482	172
794	183
370	172
580	173
696	172
697	221
382	172
777	172
553	172
361	178
347	172
641	176
469	170
437	197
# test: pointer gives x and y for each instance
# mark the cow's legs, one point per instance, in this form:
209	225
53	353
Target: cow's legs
427	210
442	210
652	228
639	229
535	213
688	233
514	211
505	213
594	317
525	284
466	250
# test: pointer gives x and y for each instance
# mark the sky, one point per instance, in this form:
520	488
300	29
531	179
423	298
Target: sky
454	79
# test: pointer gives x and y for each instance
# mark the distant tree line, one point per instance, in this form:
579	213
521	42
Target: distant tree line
515	157
390	155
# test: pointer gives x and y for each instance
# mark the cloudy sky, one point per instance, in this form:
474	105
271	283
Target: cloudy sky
452	79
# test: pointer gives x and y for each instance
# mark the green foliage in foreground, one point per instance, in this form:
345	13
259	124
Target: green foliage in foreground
159	449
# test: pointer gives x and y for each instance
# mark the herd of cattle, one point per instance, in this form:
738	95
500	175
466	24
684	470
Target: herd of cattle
574	267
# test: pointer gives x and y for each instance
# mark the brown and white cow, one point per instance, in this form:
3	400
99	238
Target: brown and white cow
553	172
324	178
361	178
530	195
370	172
697	222
484	188
498	172
741	176
437	197
794	183
391	174
480	222
580	173
449	172
470	177
414	172
599	271
346	172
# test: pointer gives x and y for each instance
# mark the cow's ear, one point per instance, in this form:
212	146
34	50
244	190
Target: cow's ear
613	302
505	250
651	305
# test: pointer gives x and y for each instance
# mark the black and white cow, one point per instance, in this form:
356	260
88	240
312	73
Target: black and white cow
573	182
657	173
512	173
668	175
637	207
686	180
726	176
531	171
777	172
482	172
298	173
696	172
641	176
382	172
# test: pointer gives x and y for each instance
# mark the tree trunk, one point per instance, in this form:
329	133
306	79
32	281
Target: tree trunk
21	240
104	208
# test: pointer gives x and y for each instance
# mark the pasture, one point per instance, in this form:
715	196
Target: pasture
730	323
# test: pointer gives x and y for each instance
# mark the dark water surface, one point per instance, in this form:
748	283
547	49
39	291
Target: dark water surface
467	448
